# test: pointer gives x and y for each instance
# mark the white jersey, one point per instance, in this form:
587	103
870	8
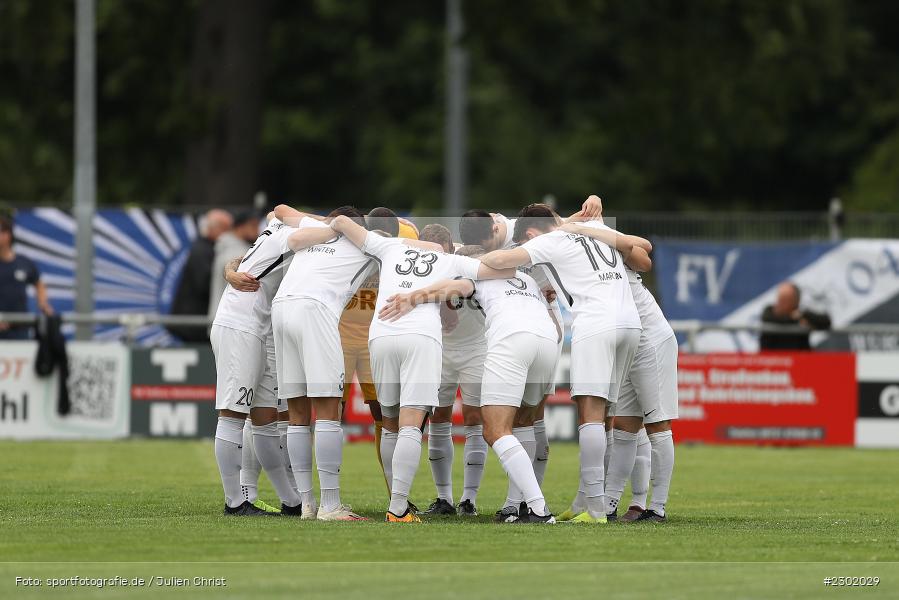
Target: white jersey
589	279
469	332
510	230
329	273
514	306
406	269
656	328
266	260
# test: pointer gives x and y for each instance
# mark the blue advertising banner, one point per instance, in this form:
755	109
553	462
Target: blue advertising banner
854	281
138	259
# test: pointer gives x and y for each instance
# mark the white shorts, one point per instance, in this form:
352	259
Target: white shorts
462	368
517	369
406	369
599	363
267	391
307	348
650	389
551	384
240	365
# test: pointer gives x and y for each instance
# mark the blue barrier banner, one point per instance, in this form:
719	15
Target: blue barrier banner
138	259
854	281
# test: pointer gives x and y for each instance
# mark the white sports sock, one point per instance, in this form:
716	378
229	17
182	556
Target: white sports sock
542	456
249	465
267	440
228	438
299	446
528	441
610	441
328	458
662	468
388	446
592	440
475	459
406	457
440	455
282	433
624	453
640	474
517	465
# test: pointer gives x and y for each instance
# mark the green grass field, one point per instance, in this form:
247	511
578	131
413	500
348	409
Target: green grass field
744	522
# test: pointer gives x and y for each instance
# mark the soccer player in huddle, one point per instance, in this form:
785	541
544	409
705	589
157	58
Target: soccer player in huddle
243	346
310	364
406	356
589	278
522	340
356	321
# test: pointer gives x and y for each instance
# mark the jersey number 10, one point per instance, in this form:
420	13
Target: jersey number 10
590	255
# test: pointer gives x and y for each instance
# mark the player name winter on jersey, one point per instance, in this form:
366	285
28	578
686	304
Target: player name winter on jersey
330	272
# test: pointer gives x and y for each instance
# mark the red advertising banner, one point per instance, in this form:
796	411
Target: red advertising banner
802	398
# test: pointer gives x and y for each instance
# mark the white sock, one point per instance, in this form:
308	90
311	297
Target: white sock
528	441
299	446
282	433
579	504
328	458
592	440
406	457
475	459
517	465
249	464
542	456
610	441
640	474
440	455
624	453
388	446
267	440
228	438
662	468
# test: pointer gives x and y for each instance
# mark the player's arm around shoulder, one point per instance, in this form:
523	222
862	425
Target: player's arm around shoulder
242	282
639	260
504	259
448	289
291	216
353	231
623	243
309	236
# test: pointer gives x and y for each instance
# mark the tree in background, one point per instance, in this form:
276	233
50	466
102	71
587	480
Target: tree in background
662	104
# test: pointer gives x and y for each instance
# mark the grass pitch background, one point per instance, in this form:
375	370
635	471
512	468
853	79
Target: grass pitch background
153	508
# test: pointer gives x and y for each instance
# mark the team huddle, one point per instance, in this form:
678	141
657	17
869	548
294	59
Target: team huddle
417	319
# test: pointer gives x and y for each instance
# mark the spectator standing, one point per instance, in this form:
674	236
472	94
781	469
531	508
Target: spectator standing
192	295
786	311
16	274
232	244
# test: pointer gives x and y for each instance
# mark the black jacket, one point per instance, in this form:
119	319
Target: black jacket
51	353
790	341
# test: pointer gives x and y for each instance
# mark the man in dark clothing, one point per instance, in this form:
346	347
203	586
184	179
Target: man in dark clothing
16	274
786	311
192	295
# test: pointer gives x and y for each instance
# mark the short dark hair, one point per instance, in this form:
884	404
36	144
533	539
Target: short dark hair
437	233
384	219
6	225
351	212
539	216
475	227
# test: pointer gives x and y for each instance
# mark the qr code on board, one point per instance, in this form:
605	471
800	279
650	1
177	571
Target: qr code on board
92	387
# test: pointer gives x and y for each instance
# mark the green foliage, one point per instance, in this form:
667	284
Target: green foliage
661	104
